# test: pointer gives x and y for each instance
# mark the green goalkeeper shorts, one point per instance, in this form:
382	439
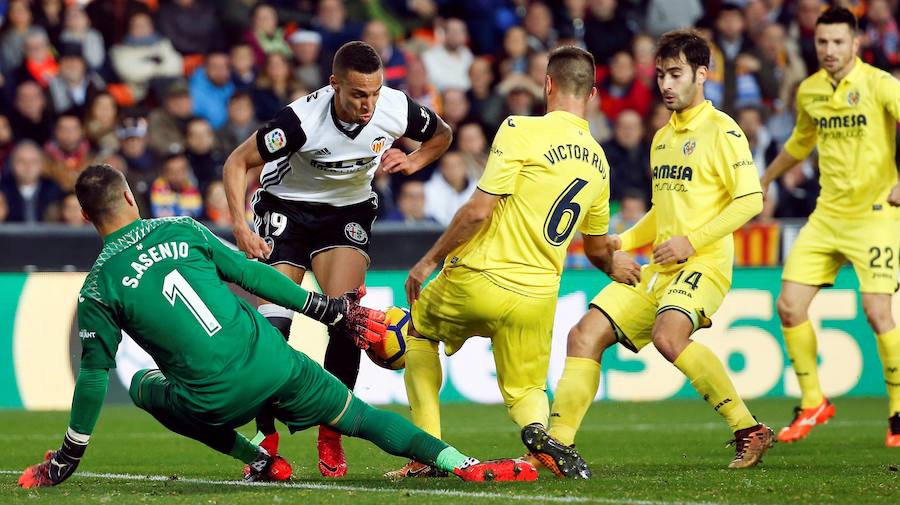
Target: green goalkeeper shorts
310	397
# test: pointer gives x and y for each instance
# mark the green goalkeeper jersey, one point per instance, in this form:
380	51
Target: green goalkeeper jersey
162	281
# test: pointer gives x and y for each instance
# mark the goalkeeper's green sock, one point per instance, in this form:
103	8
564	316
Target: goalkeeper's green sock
243	449
396	435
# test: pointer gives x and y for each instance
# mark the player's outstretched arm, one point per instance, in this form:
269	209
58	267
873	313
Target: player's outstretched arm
244	159
465	224
59	465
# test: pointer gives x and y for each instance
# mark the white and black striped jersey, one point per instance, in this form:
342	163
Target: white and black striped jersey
312	157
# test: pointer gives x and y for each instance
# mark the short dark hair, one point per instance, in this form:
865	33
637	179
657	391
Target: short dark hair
572	70
356	56
99	189
838	15
687	42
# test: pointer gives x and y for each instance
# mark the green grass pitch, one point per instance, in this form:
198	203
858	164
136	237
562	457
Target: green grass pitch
641	454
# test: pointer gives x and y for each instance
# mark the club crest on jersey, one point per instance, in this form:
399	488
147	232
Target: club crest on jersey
356	233
378	144
275	140
688	147
853	98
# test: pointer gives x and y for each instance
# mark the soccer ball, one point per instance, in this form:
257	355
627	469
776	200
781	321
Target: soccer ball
391	352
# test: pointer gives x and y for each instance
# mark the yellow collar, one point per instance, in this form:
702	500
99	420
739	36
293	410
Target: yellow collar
572	118
689	118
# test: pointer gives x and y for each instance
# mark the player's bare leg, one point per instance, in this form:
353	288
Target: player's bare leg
423	379
800	340
280	318
577	387
877	307
338	271
671	336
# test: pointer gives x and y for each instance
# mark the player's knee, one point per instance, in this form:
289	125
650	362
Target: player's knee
790	311
589	341
879	317
134	390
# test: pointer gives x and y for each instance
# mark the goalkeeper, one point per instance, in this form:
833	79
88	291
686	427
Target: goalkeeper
220	362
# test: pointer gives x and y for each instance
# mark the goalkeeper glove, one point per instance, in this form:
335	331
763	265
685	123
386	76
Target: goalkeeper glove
57	465
349	319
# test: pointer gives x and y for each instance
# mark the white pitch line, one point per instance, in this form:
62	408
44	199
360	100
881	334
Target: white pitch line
363	489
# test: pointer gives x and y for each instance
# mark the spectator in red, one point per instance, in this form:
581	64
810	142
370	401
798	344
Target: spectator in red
881	42
30	113
215	208
264	35
28	194
377	35
68	153
643	48
622	90
174	193
39	65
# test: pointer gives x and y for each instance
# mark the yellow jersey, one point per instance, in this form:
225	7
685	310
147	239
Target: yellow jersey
854	125
700	161
554	179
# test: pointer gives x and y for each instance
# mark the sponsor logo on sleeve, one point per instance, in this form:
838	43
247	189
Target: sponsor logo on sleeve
85	334
424	112
275	140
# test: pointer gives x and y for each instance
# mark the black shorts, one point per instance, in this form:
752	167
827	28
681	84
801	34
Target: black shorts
297	231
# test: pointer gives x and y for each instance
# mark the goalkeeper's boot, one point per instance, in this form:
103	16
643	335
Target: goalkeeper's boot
562	460
267	468
805	420
332	462
750	444
415	469
497	470
893	434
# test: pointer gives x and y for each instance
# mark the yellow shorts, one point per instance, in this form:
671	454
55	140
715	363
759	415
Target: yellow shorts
825	243
697	290
460	303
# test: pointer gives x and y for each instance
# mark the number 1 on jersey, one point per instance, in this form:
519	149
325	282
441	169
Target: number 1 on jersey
176	286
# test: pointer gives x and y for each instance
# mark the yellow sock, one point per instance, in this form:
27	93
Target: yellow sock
709	378
889	350
801	347
534	407
574	394
423	378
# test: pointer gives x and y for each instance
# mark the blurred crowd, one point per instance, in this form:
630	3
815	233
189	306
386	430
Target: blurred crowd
164	89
